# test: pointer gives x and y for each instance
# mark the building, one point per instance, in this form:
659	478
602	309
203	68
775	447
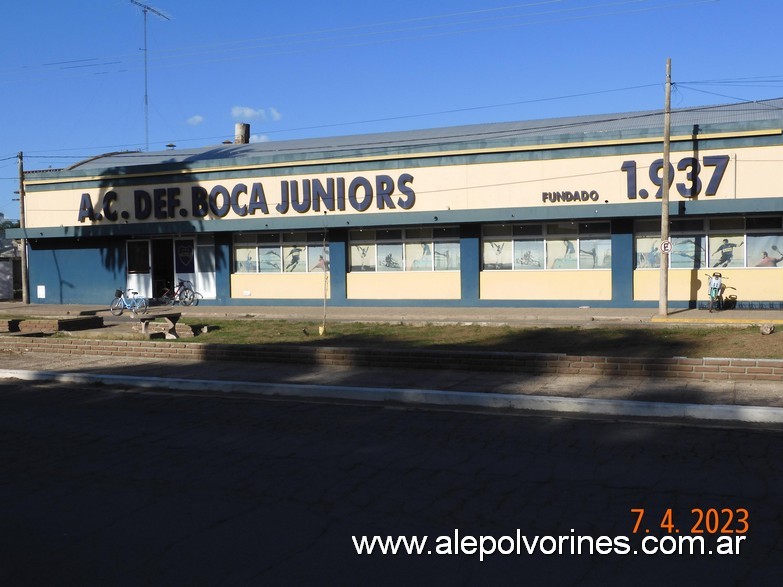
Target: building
10	263
560	212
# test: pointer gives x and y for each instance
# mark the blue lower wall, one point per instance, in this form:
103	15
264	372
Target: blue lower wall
75	272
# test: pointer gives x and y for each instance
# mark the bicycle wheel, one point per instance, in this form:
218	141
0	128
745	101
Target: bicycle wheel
166	300
141	305
116	306
187	296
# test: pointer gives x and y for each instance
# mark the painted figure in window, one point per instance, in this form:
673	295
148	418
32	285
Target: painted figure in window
363	254
767	261
650	259
390	261
272	258
654	256
249	263
498	252
566	260
295	256
322	265
726	251
590	253
528	260
425	259
684	249
442	259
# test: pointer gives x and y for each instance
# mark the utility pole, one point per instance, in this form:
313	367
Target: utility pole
23	226
663	303
145	9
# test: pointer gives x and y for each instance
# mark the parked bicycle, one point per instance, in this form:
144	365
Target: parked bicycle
183	294
135	303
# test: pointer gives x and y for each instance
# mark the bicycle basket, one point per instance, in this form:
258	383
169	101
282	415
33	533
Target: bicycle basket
117	293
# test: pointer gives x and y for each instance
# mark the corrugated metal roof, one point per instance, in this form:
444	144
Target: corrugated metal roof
762	114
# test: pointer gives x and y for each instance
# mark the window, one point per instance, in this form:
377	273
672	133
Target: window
362	251
764	250
726	250
529	254
497	247
409	249
648	256
729	241
764	223
561	253
291	252
138	257
688	252
556	245
724	224
688	244
595	253
446	256
390	257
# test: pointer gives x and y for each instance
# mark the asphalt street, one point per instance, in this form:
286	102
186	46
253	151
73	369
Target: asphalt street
113	486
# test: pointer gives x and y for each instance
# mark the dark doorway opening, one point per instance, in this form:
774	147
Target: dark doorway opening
162	265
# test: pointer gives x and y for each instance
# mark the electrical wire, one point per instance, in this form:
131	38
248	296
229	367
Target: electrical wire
349	123
277	45
481	131
375	145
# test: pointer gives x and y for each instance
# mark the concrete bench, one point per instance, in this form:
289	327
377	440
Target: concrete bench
169	328
50	324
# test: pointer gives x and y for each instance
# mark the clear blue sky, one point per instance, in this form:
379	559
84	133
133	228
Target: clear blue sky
73	72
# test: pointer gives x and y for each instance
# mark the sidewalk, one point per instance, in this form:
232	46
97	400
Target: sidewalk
600	394
433	315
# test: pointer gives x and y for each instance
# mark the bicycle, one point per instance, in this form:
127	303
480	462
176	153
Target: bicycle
183	293
137	305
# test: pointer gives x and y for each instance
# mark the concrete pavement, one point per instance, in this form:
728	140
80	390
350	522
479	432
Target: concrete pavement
601	394
433	315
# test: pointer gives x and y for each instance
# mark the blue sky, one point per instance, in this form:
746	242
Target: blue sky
73	72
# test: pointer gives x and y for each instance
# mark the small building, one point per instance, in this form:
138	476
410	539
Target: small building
560	212
10	264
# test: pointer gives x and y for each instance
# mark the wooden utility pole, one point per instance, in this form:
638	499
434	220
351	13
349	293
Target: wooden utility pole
23	226
663	303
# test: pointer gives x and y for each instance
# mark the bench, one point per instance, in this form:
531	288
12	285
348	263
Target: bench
170	326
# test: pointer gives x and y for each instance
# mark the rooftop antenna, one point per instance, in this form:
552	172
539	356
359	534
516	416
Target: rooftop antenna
145	9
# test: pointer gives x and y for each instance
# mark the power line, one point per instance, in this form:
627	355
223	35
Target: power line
315	40
384	119
370	147
436	113
238	52
741	100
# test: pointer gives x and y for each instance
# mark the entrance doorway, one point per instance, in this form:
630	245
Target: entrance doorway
162	265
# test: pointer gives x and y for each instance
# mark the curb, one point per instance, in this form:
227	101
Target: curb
673	320
427	397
